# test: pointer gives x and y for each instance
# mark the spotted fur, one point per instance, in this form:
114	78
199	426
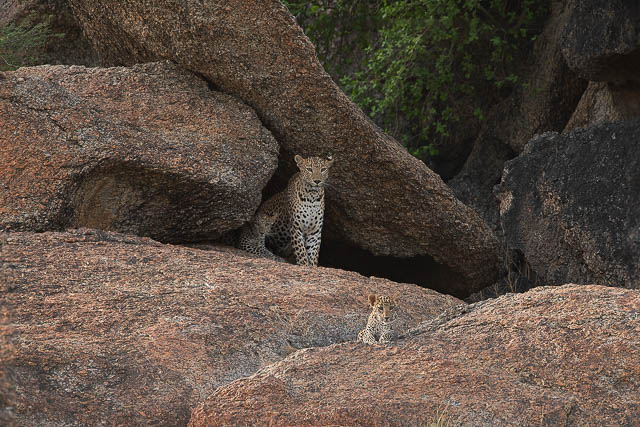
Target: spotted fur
252	235
378	329
300	212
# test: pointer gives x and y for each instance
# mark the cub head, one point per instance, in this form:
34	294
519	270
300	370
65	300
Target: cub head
263	222
383	307
314	170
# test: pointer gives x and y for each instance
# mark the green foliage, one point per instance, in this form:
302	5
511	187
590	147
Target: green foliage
24	43
425	64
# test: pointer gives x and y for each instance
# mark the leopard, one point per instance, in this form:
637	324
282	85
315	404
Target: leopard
252	236
378	329
299	209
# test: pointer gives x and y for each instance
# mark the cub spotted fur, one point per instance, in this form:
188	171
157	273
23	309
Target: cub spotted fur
378	329
299	210
252	235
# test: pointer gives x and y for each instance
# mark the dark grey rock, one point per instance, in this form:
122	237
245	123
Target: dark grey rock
602	40
544	103
571	204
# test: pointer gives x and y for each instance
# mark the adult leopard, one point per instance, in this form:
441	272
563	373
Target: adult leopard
299	211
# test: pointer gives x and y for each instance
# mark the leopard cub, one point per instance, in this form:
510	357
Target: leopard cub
252	235
378	329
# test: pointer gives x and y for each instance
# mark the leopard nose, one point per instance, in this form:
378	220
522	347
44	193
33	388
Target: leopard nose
317	181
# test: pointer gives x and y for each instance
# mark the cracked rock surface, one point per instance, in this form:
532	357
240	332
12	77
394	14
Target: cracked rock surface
552	356
99	326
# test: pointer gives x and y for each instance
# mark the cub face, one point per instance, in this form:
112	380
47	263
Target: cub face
264	222
314	170
383	307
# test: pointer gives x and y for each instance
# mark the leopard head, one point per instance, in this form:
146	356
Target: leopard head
314	170
383	307
263	222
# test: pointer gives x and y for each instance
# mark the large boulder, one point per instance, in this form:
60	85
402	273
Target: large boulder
381	199
571	204
552	356
545	102
148	150
99	326
602	40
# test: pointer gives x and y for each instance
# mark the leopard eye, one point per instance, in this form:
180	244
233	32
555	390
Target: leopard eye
323	170
309	170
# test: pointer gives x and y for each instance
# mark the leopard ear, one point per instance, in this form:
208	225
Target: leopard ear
372	300
298	158
330	159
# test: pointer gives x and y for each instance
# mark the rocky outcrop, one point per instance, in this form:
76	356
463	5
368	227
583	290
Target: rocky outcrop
148	150
602	40
103	326
381	200
545	102
552	356
570	203
606	102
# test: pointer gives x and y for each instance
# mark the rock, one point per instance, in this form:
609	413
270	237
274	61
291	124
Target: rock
71	49
146	150
105	326
381	199
570	203
551	356
606	102
602	40
545	102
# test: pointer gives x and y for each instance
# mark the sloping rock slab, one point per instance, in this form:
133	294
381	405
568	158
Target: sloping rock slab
551	356
147	150
602	40
571	204
380	199
104	327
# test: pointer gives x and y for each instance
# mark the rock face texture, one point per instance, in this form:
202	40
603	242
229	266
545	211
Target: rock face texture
103	326
571	204
552	356
147	150
606	102
602	40
381	199
545	103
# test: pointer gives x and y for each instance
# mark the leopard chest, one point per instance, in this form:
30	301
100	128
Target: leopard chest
307	214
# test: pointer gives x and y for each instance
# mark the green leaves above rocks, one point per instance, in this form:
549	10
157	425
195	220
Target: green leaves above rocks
418	67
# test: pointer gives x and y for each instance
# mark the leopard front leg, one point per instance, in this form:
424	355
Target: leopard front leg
386	334
299	249
366	336
312	246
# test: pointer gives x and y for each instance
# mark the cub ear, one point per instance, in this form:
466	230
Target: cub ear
298	160
372	300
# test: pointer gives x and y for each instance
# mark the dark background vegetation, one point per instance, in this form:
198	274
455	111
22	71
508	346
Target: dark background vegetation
426	71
